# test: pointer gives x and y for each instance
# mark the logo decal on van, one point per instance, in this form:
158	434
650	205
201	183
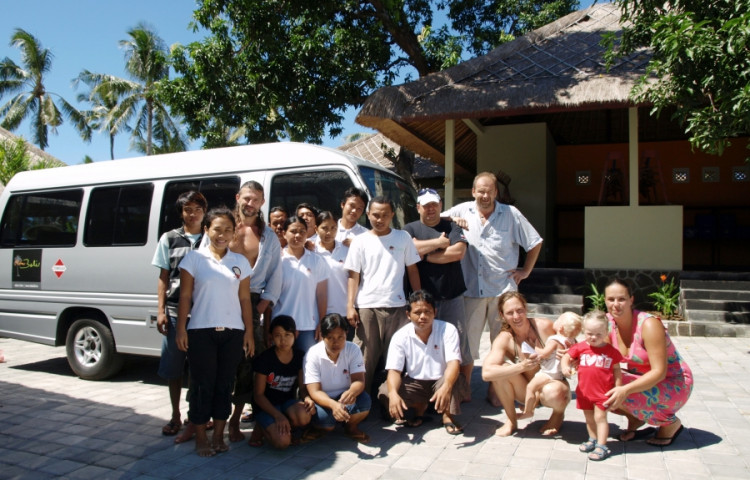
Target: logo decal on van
27	269
59	268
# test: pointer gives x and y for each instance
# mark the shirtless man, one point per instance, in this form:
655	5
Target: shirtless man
258	242
509	369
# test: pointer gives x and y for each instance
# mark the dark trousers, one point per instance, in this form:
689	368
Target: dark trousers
213	357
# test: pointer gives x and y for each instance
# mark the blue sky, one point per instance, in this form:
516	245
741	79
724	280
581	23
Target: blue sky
85	34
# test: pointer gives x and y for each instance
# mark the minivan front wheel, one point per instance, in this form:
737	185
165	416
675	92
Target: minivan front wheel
90	348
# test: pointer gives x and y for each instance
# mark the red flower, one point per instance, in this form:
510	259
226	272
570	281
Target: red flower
663	278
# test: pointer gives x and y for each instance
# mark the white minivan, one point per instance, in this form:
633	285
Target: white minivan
77	241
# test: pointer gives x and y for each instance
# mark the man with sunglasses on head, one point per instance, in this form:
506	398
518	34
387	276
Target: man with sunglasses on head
495	232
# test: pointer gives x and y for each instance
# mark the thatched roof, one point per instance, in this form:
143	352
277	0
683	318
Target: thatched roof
373	148
35	153
556	68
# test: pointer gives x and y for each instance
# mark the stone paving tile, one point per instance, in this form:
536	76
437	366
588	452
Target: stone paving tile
58	426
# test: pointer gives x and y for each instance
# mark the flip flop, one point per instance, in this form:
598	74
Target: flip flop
170	429
453	428
415	422
310	435
247	417
668	440
360	437
637	434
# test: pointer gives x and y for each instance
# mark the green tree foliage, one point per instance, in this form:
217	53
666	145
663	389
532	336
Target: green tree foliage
487	24
288	69
26	81
116	101
700	64
13	158
103	101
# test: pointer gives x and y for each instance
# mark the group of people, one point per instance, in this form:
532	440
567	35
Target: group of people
338	326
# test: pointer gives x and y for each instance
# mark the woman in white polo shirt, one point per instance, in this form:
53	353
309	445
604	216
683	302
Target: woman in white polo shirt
304	289
215	292
335	379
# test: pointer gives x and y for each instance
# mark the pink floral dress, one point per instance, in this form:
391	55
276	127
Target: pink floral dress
659	404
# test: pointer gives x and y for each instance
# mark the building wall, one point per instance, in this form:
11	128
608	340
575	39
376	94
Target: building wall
715	217
523	151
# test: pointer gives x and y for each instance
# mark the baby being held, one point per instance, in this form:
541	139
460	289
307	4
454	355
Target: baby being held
567	327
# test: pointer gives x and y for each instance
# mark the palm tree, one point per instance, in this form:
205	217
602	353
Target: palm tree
32	97
146	62
103	102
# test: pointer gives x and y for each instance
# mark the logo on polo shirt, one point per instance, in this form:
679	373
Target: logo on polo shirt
237	272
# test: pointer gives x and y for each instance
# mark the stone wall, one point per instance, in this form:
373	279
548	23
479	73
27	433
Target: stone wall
642	282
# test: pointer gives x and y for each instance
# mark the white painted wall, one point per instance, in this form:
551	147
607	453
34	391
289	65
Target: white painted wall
523	152
648	237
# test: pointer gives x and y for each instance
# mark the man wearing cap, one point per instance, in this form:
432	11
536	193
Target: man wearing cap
495	232
441	246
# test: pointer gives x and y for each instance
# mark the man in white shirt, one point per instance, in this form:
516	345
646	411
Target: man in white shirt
352	207
376	302
495	232
428	352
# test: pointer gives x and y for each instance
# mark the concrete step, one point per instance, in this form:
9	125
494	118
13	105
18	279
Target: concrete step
716	316
553	310
703	284
561	298
729	295
550	288
710	304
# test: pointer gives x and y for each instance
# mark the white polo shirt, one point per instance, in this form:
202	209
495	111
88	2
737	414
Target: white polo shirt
381	262
338	276
423	361
344	233
334	378
300	279
216	285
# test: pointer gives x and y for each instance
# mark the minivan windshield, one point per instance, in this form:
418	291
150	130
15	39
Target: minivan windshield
401	193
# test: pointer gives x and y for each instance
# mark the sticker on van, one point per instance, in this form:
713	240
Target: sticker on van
27	269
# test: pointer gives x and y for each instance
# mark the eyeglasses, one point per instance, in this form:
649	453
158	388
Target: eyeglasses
425	191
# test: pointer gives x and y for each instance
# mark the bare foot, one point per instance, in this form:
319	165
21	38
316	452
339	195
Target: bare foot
186	434
219	446
552	427
506	430
524	415
204	449
549	429
235	435
633	426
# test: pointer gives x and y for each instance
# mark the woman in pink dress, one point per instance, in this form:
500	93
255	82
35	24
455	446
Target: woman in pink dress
657	381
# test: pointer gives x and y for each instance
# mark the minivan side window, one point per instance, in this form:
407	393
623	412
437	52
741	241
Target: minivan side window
118	216
41	219
218	191
324	189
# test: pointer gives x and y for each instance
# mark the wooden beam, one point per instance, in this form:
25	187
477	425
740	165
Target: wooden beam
474	126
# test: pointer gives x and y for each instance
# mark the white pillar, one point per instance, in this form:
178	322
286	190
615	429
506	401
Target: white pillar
450	163
633	155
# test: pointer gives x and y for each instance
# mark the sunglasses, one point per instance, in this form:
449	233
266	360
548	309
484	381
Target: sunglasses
426	191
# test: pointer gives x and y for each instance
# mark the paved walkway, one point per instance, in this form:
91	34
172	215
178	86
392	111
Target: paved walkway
53	425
